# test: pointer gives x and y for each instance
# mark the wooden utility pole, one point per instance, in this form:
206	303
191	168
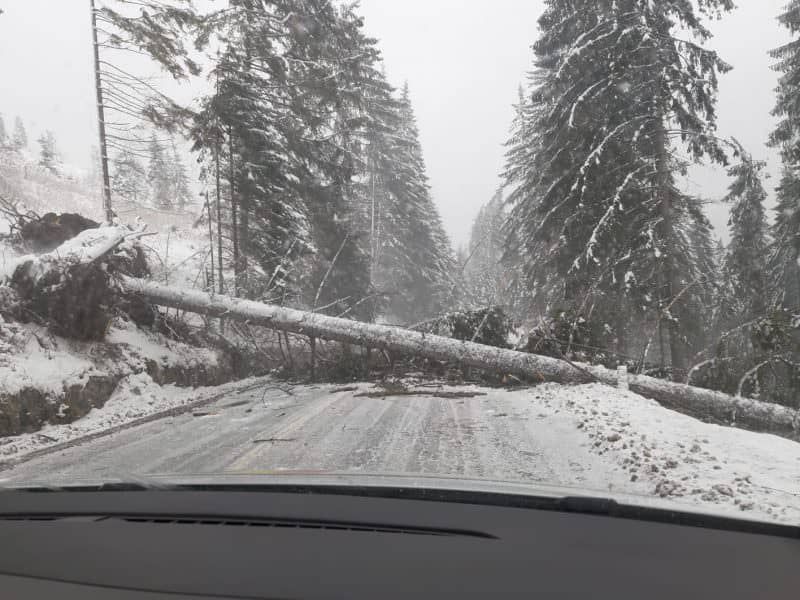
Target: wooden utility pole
101	120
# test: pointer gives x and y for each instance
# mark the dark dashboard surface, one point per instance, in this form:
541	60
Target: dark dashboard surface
255	544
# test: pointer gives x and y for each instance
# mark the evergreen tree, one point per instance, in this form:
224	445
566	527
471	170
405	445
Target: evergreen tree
48	153
181	188
298	94
411	254
592	168
746	260
129	178
484	270
785	272
283	117
158	176
430	268
19	139
742	283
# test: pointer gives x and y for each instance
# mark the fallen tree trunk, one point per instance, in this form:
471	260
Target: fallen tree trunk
697	402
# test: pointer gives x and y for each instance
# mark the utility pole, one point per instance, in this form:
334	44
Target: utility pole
101	120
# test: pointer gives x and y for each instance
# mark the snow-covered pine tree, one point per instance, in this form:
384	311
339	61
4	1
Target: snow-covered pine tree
741	295
19	139
432	253
337	207
287	105
484	269
412	256
785	249
48	153
288	119
250	123
616	92
179	177
129	177
156	27
158	175
378	206
746	258
784	270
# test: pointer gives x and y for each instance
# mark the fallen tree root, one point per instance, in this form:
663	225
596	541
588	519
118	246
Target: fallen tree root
697	402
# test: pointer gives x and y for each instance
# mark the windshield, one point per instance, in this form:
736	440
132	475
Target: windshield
547	243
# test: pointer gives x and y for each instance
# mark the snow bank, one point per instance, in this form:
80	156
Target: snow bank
142	345
37	364
136	397
673	456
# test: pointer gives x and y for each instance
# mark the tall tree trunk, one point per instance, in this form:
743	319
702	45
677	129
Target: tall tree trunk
219	218
234	216
210	240
244	236
701	403
663	191
671	286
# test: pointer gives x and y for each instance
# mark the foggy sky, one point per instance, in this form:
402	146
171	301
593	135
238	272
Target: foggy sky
463	59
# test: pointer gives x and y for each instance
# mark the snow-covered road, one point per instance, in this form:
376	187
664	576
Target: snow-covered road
591	437
321	429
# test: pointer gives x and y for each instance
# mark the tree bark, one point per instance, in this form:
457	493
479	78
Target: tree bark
219	219
234	216
210	242
697	402
663	190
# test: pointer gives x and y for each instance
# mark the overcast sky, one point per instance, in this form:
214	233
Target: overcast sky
462	58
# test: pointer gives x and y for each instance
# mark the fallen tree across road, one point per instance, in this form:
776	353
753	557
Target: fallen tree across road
72	286
698	402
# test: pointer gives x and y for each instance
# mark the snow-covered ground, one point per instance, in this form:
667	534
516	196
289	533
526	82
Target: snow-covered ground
592	438
679	457
35	358
136	397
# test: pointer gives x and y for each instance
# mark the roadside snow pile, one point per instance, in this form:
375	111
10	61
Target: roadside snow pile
30	360
678	457
143	347
46	379
135	398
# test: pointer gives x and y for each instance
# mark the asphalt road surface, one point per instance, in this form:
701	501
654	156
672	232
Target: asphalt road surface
496	435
